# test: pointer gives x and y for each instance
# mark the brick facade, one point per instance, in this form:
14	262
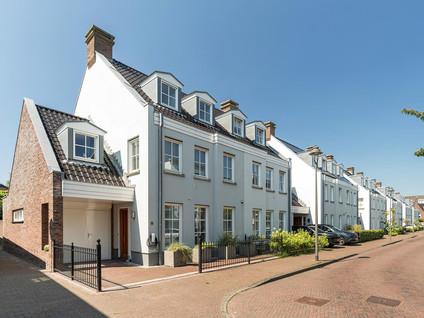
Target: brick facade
31	186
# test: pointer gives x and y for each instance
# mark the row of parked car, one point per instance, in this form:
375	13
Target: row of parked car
334	234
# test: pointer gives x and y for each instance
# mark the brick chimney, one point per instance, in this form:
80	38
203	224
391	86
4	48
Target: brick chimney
270	129
330	157
98	41
360	173
229	105
351	170
379	184
310	148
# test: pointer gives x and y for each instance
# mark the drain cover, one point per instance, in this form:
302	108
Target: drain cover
383	301
312	301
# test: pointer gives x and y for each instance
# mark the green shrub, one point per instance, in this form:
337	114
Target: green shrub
369	235
183	249
292	243
205	245
226	239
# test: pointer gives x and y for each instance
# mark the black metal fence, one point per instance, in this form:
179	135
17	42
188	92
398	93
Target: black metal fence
79	263
214	255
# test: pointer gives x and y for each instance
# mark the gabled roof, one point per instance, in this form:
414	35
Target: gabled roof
107	175
293	148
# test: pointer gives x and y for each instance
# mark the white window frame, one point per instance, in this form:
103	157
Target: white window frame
332	193
179	143
172	220
238	126
282	182
257	176
324	164
259	135
347	197
196	207
281	220
200	163
18	216
269	181
96	146
132	156
168	95
325	192
340	196
204	111
332	219
269	213
334	169
229	169
256	223
225	221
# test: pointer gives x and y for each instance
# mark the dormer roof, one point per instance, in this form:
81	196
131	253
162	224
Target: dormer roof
203	95
169	77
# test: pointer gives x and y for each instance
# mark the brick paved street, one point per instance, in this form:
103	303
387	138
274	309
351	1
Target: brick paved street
393	272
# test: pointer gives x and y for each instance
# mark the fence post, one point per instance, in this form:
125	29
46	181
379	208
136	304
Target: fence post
54	255
248	250
72	261
200	254
99	266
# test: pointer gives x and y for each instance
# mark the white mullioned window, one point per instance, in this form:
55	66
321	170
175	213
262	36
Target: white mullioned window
259	137
199	223
133	153
340	196
237	126
255	174
172	155
205	111
281	220
172	223
18	216
348	196
228	220
228	162
333	168
332	194
268	179
169	95
255	222
282	181
200	162
268	223
85	146
325	192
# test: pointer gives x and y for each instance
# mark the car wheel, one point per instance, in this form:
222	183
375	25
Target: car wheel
342	241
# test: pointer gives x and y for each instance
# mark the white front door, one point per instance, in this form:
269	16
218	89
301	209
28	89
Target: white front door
98	227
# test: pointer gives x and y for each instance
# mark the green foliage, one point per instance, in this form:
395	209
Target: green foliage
293	243
3	193
419	115
407	221
205	245
181	248
421	220
369	235
226	239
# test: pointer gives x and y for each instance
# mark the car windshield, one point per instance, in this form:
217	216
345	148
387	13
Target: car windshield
334	228
319	230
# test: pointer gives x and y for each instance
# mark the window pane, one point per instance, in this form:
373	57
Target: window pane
90	153
164	88
172	92
196	155
171	101
90	141
167	147
79	139
80	151
165	99
175	149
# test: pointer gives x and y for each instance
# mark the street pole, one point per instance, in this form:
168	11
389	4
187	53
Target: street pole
390	224
316	211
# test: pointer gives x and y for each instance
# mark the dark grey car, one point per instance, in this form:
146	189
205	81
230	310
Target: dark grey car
345	236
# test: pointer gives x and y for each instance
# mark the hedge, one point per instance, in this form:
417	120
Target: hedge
293	243
369	235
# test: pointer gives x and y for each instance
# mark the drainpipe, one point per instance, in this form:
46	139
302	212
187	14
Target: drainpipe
160	188
289	195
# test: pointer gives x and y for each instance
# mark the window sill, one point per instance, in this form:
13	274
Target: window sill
173	173
132	173
229	182
256	187
270	190
17	222
332	201
326	200
340	202
201	178
281	192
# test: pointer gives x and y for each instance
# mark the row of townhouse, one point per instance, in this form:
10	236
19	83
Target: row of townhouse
141	164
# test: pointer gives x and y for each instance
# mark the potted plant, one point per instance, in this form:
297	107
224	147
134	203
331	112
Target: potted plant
177	254
248	248
227	246
206	252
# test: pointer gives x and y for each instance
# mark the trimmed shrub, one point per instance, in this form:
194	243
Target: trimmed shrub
293	243
185	251
369	235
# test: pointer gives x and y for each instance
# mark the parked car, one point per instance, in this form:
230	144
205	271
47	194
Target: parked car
333	238
345	236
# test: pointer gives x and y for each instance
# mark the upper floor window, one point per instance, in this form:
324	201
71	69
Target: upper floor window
340	195
333	169
340	171
259	137
205	112
85	146
169	95
200	162
134	159
268	179
172	155
325	192
282	182
347	197
18	216
228	167
255	174
332	194
238	126
324	164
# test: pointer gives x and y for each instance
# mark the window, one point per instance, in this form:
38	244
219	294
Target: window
237	126
228	220
255	222
332	194
340	222
133	153
44	225
18	216
169	95
205	112
172	155
324	164
340	171
172	224
325	192
281	217
85	146
268	179
347	197
282	181
325	218
199	223
332	219
228	167
361	203
268	223
255	174
333	169
259	137
340	195
200	162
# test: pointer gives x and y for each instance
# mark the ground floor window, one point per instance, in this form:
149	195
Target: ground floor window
281	217
268	223
340	222
228	221
172	223
18	216
199	223
325	218
332	219
255	222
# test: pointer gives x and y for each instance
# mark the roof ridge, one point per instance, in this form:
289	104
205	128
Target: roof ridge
282	140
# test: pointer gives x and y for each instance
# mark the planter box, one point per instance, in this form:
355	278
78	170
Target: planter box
227	252
174	259
244	249
206	255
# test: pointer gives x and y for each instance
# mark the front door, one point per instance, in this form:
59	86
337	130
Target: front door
297	221
123	233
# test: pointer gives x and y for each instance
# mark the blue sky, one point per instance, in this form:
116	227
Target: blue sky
331	73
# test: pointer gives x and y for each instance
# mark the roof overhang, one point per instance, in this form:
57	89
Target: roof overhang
75	189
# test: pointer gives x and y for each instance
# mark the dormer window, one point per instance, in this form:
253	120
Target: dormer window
259	137
324	165
85	147
237	126
205	111
169	95
333	168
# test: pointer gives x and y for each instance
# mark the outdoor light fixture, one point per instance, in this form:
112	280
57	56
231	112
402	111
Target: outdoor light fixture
315	153
133	214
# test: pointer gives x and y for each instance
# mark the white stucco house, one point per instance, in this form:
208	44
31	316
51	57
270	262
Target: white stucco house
196	170
391	203
371	204
337	196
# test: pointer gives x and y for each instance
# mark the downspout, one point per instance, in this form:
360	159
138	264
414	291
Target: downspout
321	216
160	189
289	194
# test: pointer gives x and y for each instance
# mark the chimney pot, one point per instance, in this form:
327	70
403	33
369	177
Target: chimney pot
310	148
229	105
100	41
270	129
330	157
360	173
351	170
379	184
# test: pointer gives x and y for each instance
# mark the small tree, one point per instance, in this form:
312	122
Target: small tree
419	115
390	223
407	221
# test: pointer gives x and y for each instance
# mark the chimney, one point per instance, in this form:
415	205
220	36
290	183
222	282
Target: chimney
373	180
351	170
270	129
98	41
359	173
229	105
330	157
379	185
310	148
